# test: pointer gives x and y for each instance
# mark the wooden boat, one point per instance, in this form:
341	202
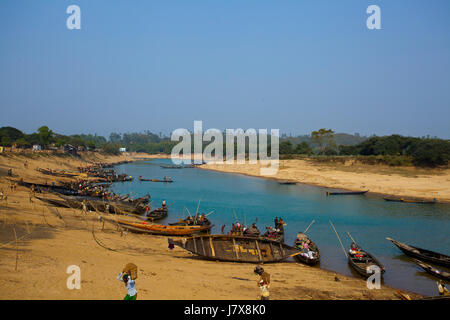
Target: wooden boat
286	182
158	214
159	229
362	261
303	257
171	167
423	254
48	188
410	201
156	180
189	222
55	202
236	248
433	271
272	234
341	193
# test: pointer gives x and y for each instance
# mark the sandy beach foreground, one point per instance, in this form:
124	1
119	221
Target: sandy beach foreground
34	266
405	182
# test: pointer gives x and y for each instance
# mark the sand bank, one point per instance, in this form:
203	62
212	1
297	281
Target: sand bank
385	180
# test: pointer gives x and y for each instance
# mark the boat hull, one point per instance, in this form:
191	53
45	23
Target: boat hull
236	248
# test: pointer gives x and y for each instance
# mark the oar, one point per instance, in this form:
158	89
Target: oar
309	226
235	216
339	239
171	204
351	237
188	212
196	213
211	212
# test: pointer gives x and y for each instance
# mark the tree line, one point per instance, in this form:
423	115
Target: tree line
425	151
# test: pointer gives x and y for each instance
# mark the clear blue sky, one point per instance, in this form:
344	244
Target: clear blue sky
160	65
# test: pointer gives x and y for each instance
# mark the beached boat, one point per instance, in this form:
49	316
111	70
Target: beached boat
410	201
190	222
433	271
342	193
48	188
309	258
236	248
423	254
159	229
172	167
362	261
54	202
158	214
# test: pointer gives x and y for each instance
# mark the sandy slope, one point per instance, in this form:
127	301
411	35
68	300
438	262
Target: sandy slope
47	245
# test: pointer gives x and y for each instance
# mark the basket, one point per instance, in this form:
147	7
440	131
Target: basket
131	269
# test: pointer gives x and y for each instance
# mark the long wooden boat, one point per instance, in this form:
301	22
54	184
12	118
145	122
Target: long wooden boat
55	202
156	180
304	257
236	248
410	201
362	262
423	254
342	193
160	229
433	271
48	188
287	182
172	167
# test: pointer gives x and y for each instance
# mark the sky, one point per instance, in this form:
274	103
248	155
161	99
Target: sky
293	65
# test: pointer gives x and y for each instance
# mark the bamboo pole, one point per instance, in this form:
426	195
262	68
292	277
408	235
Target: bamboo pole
309	226
351	237
343	249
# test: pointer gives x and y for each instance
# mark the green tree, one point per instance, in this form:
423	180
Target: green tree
22	143
323	137
286	147
303	148
45	135
6	142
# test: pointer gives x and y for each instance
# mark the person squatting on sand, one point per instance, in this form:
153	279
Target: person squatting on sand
263	282
129	284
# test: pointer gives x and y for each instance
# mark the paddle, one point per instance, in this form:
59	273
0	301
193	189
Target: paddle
339	239
211	212
309	226
351	237
196	213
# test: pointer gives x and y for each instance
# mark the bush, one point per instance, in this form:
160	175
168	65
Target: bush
432	153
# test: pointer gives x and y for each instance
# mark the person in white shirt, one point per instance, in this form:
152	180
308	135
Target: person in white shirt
129	284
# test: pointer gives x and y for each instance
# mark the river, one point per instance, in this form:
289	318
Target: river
368	218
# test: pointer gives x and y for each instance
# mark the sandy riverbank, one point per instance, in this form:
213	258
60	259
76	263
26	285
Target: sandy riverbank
47	245
396	181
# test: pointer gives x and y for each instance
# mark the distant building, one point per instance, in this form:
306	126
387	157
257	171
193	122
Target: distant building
123	149
37	147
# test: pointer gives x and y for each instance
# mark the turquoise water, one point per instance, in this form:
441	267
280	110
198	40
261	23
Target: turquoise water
369	219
